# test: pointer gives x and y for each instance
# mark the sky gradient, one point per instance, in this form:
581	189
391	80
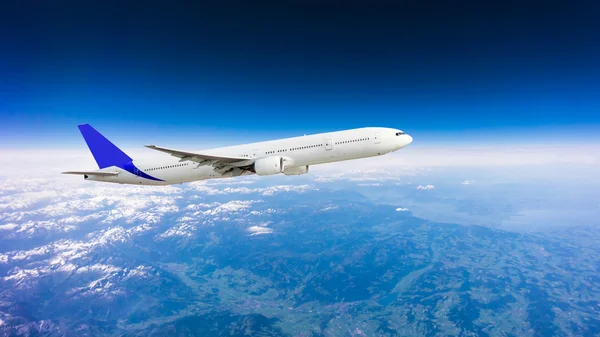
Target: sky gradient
466	71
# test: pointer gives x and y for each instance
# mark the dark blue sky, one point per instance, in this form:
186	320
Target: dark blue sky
474	69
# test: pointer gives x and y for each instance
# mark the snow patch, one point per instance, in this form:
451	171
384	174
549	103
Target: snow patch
267	191
184	229
329	208
98	268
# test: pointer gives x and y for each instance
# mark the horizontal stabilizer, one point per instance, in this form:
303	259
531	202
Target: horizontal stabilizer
197	157
92	173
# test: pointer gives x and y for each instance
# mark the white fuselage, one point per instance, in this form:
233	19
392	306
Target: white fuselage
297	152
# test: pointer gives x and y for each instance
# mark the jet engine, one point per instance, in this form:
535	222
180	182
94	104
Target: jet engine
268	166
296	170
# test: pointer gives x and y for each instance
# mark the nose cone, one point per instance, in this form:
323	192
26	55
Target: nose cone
405	140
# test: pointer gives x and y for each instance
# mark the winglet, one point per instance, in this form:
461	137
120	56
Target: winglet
105	153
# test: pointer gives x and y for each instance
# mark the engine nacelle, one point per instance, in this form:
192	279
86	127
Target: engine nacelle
268	166
296	170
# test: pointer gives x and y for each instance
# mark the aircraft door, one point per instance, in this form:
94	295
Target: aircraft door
377	137
328	144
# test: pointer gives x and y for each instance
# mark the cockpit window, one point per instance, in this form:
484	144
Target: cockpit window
399	133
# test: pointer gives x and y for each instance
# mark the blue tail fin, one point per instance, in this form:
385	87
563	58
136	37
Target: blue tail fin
105	152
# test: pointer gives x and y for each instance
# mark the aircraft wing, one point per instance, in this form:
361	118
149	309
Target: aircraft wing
203	158
90	173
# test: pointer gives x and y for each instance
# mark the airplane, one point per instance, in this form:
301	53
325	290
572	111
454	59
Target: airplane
289	156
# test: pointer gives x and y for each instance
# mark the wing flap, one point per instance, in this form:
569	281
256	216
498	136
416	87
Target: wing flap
199	157
92	173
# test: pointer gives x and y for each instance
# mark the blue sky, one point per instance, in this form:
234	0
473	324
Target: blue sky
475	73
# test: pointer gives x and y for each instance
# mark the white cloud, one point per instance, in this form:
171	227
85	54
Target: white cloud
468	182
288	188
25	200
185	219
495	156
370	185
265	211
130	209
402	209
234	181
1	322
425	187
8	227
14	217
43	205
233	206
364	177
259	230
